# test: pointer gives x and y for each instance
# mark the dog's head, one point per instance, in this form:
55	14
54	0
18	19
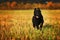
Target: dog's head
37	12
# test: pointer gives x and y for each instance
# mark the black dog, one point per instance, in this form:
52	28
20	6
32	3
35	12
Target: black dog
37	19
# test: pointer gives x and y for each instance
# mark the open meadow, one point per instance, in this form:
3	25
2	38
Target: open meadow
17	25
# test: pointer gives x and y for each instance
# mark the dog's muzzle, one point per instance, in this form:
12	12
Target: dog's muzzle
37	17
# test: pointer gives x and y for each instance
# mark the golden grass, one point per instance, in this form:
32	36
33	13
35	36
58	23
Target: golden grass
17	25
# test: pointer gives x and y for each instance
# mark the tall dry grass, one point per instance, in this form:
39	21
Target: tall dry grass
17	25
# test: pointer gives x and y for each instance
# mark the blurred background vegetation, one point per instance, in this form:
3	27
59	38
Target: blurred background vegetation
29	4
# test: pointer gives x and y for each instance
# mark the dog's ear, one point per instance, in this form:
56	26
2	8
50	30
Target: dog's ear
34	8
34	11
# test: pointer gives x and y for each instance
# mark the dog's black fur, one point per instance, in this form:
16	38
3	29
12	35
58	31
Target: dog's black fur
37	19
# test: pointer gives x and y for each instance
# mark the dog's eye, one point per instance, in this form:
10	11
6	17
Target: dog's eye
37	14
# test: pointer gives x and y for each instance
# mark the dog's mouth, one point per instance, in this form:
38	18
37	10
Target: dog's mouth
37	17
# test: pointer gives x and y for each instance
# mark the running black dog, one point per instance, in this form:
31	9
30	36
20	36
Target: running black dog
37	19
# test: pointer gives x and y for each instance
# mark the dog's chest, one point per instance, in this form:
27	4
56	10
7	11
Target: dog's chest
37	19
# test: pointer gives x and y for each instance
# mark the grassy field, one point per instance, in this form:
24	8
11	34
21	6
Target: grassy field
17	25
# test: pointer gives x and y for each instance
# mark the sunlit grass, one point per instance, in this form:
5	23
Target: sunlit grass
17	25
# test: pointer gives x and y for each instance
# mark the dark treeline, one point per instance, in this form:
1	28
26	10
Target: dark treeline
31	1
29	4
